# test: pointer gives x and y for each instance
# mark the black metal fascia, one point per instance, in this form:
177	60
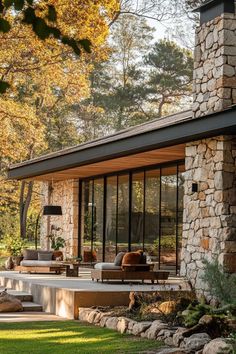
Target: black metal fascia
215	124
214	8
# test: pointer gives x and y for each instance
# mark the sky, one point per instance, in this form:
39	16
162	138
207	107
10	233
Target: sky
167	29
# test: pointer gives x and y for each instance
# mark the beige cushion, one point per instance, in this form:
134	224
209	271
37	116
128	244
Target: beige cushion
104	265
32	263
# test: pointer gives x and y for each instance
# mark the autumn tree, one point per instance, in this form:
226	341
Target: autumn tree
46	73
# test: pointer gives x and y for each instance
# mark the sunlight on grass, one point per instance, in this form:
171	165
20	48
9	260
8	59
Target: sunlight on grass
67	337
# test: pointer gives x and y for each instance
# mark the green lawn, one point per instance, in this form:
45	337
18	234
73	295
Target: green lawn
67	337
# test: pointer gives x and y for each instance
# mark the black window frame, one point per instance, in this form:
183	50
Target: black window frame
130	172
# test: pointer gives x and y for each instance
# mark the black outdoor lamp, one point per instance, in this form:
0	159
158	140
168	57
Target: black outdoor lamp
47	210
52	210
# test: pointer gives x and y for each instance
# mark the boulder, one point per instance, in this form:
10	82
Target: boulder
122	324
111	323
98	317
218	346
131	324
83	314
196	341
140	327
171	351
154	329
178	336
92	315
9	303
103	321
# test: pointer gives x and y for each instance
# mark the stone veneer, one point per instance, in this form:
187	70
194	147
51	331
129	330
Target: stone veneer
215	65
64	193
209	220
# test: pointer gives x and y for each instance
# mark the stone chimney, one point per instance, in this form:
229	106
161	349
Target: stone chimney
214	80
209	217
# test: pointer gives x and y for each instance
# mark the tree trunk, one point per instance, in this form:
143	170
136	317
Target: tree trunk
24	206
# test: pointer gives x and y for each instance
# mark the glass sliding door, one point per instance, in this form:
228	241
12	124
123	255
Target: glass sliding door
137	210
168	217
152	214
123	213
98	200
111	219
87	218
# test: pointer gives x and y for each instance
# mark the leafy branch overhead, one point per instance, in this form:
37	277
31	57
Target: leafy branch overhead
43	27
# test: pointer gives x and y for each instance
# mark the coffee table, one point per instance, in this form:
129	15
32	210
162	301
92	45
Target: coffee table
72	269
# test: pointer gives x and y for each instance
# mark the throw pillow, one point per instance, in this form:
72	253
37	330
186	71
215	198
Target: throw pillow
118	259
31	255
131	258
44	256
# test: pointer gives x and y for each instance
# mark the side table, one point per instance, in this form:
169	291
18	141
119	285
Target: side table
72	269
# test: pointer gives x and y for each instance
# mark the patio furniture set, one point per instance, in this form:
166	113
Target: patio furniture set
127	266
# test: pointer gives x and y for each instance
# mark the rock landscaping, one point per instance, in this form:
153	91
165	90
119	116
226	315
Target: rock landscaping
9	303
179	339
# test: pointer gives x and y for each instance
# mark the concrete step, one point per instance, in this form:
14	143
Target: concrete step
29	306
26	299
22	296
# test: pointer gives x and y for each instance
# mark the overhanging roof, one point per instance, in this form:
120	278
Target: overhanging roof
214	8
168	131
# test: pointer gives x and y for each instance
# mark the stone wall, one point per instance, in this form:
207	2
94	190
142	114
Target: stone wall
209	220
64	193
215	65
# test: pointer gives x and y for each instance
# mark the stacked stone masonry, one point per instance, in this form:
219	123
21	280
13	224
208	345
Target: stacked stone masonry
175	339
209	220
65	194
214	85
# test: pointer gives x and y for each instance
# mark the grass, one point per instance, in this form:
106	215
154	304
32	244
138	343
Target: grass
68	337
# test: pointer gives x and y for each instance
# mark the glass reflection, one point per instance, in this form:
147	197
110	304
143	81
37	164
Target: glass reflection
123	213
137	211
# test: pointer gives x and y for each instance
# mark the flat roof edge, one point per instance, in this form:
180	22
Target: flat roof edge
194	129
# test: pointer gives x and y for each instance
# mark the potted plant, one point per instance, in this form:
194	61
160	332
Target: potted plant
57	242
14	245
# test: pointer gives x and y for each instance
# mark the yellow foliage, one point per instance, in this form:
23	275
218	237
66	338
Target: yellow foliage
45	75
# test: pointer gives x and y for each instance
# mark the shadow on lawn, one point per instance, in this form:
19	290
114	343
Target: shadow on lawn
67	337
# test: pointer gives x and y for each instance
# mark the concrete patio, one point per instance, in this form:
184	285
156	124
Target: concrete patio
63	296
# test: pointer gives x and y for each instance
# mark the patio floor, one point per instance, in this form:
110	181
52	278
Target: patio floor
63	296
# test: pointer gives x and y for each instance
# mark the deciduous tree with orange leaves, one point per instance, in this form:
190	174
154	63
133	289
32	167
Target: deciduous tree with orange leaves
48	48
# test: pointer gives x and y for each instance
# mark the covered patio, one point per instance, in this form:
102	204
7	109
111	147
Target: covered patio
63	296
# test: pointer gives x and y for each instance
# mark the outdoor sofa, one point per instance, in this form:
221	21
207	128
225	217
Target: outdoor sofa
41	261
128	266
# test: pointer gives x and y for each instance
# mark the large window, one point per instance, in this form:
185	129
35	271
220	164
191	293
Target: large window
138	210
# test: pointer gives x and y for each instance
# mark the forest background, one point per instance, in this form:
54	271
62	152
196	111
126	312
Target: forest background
128	62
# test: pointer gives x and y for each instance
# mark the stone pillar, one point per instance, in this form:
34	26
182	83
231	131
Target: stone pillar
214	81
64	193
209	220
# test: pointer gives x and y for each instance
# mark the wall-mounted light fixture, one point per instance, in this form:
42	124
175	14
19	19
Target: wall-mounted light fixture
194	187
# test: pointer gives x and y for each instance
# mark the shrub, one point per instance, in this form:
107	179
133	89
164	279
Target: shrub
13	244
222	286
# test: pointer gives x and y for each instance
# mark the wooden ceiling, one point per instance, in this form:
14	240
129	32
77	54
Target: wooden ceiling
153	157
